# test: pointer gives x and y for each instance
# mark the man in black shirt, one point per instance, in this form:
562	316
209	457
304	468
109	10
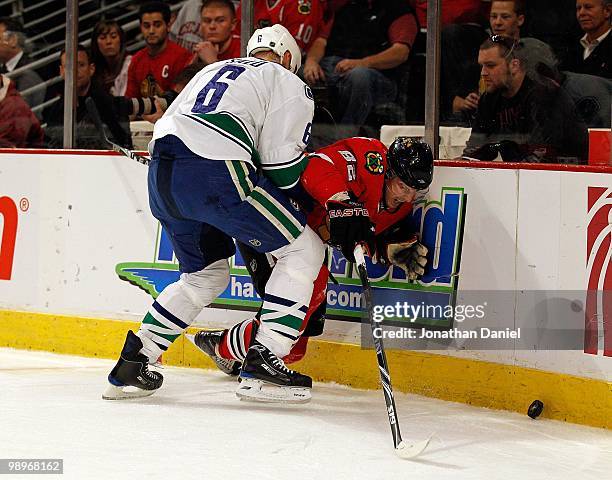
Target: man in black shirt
592	54
113	111
520	119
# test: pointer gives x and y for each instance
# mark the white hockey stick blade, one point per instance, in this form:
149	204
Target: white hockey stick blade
408	451
258	391
113	392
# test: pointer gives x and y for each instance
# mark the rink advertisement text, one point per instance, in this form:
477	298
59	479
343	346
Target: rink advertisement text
440	221
8	222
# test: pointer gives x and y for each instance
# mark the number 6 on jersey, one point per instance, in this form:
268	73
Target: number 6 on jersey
210	96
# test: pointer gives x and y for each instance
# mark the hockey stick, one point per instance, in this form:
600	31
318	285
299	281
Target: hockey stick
95	116
403	449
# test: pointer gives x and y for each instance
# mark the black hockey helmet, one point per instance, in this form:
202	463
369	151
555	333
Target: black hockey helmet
412	161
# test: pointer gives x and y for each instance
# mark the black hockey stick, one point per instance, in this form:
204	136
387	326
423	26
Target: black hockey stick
403	449
95	116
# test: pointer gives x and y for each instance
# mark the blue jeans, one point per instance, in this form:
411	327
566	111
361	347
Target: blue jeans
358	90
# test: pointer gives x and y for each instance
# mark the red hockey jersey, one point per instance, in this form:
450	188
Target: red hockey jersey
163	68
301	17
356	165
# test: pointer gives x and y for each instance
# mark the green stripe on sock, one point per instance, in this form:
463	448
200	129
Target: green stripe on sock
167	336
150	320
286	320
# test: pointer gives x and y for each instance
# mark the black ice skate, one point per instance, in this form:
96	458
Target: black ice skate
131	377
208	341
265	378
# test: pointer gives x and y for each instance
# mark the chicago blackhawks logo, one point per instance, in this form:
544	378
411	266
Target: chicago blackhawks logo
374	163
304	6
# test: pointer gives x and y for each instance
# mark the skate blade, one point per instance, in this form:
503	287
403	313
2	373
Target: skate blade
229	367
253	390
113	392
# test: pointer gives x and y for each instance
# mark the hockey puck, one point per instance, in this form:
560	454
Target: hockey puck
535	409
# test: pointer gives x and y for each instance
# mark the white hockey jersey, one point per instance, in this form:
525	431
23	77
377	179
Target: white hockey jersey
244	109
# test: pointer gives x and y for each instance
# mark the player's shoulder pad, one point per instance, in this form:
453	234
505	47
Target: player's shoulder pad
368	143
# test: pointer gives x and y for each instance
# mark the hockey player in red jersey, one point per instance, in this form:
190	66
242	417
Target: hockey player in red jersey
357	185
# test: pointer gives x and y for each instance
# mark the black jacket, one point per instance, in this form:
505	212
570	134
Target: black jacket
113	113
541	120
599	62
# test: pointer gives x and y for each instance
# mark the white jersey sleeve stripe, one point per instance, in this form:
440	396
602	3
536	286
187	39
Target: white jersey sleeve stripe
222	132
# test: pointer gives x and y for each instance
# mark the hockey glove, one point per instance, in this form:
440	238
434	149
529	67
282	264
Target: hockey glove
349	224
410	255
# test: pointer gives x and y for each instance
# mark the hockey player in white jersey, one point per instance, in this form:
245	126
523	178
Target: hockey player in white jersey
220	154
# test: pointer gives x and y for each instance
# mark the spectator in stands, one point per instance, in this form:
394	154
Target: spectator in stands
185	30
505	18
464	25
153	68
217	23
13	57
359	55
302	18
110	57
593	53
112	110
19	127
520	119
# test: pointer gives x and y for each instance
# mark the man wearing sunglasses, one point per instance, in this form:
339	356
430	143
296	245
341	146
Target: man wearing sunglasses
520	119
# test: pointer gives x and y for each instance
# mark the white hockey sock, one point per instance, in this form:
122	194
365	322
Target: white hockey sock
178	305
288	292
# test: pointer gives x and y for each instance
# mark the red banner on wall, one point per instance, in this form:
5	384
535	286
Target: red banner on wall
8	211
598	312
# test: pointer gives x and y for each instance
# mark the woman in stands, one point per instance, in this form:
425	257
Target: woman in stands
110	57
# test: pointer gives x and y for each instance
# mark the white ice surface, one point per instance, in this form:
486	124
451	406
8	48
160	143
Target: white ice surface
194	427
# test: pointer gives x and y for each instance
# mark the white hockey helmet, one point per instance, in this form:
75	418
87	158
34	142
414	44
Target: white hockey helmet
278	39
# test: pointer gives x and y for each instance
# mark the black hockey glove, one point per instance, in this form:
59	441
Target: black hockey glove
410	255
349	224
